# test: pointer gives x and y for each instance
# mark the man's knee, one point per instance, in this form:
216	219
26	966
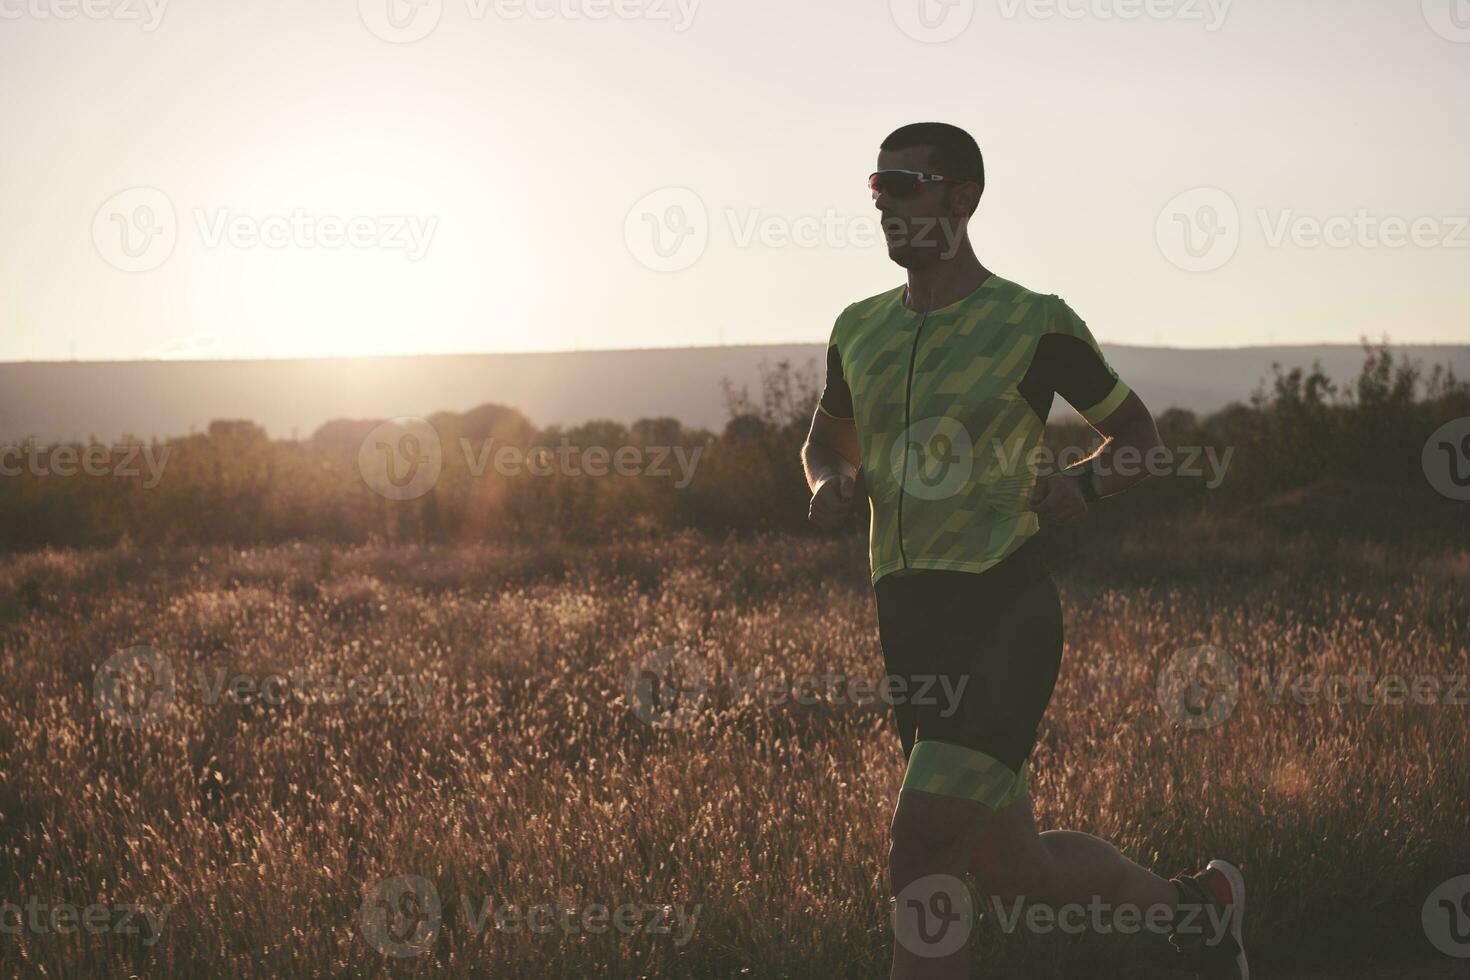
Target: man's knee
1011	862
913	855
933	835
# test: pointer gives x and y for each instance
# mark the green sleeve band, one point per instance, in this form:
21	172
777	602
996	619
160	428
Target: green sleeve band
1108	405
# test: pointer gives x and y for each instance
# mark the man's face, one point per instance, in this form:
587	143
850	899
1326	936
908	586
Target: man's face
927	226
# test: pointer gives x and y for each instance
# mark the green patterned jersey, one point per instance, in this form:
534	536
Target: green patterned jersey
948	406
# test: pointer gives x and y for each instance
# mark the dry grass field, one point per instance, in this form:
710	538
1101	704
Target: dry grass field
440	760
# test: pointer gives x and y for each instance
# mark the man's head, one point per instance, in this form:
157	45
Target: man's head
929	181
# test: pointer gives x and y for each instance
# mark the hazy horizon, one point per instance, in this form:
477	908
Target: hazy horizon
61	400
186	359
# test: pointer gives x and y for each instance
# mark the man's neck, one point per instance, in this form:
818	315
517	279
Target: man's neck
947	281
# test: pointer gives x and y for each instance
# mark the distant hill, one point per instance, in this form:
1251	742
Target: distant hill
107	399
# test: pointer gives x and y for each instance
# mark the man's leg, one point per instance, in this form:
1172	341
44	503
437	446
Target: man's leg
933	840
938	840
994	644
1200	914
1011	860
978	655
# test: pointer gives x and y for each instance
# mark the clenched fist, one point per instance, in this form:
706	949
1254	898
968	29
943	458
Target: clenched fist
832	501
1058	500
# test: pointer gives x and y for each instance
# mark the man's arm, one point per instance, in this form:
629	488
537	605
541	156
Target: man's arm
1070	362
831	449
830	459
830	456
1131	427
1062	498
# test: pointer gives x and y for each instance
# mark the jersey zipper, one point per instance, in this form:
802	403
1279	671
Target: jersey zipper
903	478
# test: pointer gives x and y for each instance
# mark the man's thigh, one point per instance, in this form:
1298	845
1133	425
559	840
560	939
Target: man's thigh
974	660
996	676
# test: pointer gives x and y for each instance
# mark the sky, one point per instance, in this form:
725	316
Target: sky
201	178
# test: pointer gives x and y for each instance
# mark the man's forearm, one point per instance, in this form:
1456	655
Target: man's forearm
1109	477
820	463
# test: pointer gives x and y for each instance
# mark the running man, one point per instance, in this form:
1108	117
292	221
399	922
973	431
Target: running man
938	391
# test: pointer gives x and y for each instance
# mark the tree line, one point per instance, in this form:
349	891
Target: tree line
500	476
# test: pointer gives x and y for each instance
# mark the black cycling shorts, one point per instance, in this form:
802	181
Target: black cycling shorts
972	658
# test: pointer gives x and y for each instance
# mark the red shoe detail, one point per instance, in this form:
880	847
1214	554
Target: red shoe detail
1219	888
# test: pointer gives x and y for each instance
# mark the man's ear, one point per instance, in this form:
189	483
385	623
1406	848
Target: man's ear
971	192
963	200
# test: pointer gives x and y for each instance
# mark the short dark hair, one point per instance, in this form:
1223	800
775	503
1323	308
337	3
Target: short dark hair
955	152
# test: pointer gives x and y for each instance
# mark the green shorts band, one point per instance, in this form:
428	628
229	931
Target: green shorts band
945	769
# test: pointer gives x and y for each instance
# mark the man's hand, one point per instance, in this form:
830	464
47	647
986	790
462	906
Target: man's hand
832	501
1058	500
